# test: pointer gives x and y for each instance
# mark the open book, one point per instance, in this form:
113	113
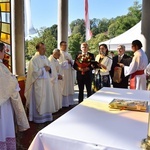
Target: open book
123	104
95	64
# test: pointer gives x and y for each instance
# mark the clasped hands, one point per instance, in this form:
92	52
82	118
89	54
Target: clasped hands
69	61
47	68
60	77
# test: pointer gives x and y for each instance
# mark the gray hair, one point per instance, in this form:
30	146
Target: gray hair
122	46
56	50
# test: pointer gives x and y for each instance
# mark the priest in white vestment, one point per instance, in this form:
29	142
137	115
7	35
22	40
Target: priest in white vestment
137	67
38	89
56	78
10	107
68	72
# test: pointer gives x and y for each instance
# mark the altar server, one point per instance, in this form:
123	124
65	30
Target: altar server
137	67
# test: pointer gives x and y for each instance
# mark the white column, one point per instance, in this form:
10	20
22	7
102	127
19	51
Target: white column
62	21
18	37
145	30
145	26
13	36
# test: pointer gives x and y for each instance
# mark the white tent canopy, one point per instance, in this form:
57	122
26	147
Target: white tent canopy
125	38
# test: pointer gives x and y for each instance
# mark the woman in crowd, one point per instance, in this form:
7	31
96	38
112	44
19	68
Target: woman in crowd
101	73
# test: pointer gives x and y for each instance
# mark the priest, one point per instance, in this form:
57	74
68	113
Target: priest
56	78
10	106
38	89
68	72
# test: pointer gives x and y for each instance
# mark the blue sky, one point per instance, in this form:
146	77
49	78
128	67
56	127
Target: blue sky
44	12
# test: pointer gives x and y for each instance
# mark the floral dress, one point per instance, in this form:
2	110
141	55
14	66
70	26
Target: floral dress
101	76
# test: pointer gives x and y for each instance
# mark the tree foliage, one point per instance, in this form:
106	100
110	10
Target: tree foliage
102	29
94	42
124	23
44	36
53	30
78	26
75	41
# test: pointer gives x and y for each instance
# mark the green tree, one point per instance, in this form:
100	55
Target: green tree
75	41
102	30
124	23
78	26
45	36
53	30
30	47
94	42
49	40
94	26
135	11
103	25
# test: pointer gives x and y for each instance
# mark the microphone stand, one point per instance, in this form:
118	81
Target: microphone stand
106	55
109	57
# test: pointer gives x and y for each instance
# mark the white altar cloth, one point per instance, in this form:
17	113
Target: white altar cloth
108	94
93	126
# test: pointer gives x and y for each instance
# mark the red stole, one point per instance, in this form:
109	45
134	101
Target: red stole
133	79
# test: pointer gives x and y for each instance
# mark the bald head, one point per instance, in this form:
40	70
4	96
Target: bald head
56	53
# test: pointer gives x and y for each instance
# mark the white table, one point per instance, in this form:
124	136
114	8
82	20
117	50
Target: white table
93	126
108	94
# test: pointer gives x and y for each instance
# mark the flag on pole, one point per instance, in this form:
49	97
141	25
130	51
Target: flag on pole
87	22
29	29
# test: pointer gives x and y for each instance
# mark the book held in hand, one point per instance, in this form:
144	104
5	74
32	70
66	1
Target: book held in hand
123	104
95	64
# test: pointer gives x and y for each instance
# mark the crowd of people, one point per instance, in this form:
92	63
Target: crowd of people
50	82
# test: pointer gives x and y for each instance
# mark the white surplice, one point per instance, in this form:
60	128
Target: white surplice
68	78
7	128
139	62
38	90
56	84
10	107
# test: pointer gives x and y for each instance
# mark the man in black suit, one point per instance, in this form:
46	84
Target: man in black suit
84	74
120	58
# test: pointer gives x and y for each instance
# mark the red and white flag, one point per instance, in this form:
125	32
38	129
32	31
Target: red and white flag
87	22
